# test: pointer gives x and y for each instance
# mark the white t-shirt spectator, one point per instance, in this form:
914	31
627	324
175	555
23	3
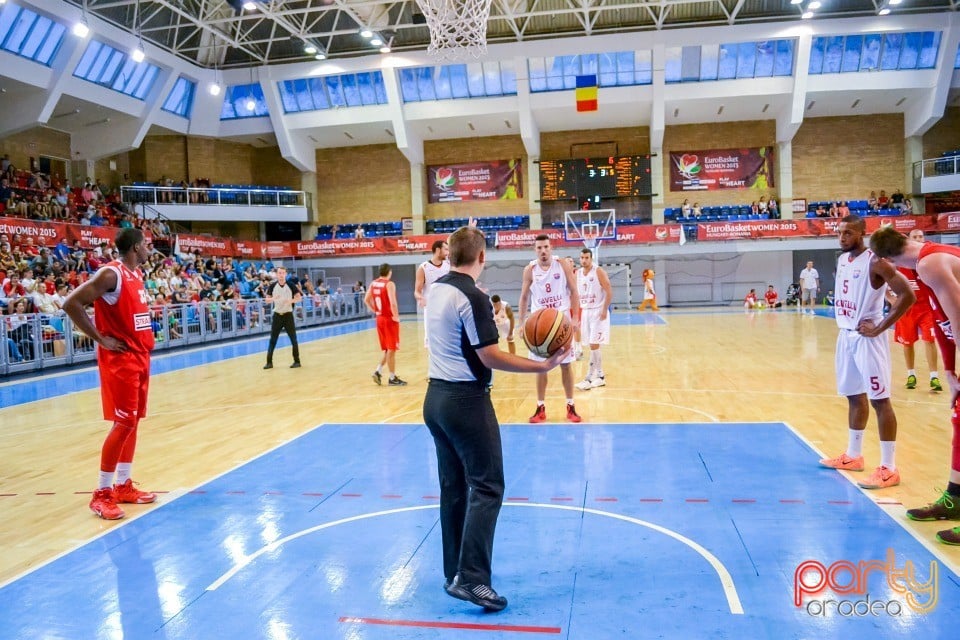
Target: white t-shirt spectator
809	278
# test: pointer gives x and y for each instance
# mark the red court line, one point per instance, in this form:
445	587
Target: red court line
236	493
313	494
81	493
791	502
743	500
697	500
159	492
890	502
273	493
651	499
197	491
431	497
46	493
560	499
351	495
429	624
606	500
839	502
517	499
7	495
391	496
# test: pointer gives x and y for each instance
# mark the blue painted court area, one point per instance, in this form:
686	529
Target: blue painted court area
628	319
608	531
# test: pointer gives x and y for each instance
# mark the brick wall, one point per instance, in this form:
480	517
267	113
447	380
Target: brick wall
113	178
33	143
943	136
269	168
846	158
560	145
462	150
362	184
235	230
719	135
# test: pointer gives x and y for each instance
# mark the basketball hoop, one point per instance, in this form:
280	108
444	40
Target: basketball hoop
590	234
458	28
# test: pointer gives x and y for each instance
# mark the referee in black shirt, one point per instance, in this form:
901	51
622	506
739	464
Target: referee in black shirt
283	295
464	347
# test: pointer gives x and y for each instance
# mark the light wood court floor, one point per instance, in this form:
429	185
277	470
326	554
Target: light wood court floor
697	366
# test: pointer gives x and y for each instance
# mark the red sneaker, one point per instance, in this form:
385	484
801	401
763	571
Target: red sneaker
881	478
104	504
540	415
843	462
572	414
129	494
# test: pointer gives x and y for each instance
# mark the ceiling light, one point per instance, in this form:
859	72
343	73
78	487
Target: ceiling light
250	6
366	33
384	49
895	1
883	12
796	1
310	49
81	30
250	104
320	56
806	15
376	42
215	89
814	4
138	55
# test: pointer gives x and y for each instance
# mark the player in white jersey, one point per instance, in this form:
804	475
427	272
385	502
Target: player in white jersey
549	282
596	295
429	272
503	316
863	351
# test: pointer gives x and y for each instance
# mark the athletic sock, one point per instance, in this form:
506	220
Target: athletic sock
911	372
569	402
888	454
855	443
123	472
105	481
933	374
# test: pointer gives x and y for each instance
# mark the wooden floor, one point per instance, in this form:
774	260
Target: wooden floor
720	365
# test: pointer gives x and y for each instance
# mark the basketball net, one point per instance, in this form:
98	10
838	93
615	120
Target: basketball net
590	234
458	28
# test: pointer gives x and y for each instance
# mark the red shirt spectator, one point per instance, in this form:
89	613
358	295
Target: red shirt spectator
13	288
771	296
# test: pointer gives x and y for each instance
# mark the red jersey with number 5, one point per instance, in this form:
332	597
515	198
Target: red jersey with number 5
381	297
124	313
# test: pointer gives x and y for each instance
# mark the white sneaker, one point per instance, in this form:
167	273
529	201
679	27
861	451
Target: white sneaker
586	385
598	382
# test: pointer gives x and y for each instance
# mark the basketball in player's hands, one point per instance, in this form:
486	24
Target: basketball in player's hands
546	331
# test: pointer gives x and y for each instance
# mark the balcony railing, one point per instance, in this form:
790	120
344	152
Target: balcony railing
936	167
213	196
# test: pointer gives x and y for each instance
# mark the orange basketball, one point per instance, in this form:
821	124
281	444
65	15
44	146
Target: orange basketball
547	330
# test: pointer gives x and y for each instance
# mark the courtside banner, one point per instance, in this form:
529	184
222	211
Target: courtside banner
949	221
492	180
805	227
208	245
716	169
51	232
631	234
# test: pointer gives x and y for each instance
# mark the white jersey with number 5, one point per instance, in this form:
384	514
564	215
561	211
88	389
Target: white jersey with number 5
549	287
855	298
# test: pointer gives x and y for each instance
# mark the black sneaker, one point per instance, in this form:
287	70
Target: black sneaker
377	377
479	594
269	365
396	382
295	365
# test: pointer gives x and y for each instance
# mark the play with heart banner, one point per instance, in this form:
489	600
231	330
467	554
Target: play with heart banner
718	169
494	180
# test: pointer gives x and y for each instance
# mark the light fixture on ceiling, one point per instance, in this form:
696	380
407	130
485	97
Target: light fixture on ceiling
884	12
376	42
347	133
765	107
250	104
80	29
895	2
250	6
214	88
796	1
320	56
814	4
385	49
806	15
366	33
309	49
900	102
810	106
856	103
720	110
137	52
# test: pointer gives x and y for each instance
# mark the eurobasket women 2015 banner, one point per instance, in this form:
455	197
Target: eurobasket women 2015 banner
493	180
715	169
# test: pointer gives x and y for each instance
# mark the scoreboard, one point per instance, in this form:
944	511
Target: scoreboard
592	178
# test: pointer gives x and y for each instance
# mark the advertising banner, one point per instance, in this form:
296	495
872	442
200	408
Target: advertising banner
495	180
806	227
50	233
628	234
716	169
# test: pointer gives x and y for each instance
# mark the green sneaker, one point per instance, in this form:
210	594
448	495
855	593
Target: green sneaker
947	507
911	382
950	536
935	384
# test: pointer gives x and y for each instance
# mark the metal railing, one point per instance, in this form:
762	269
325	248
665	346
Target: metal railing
213	196
35	341
936	167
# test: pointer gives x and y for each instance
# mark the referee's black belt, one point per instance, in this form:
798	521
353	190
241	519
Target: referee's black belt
461	384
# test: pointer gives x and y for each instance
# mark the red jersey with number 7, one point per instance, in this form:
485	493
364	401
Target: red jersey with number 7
124	313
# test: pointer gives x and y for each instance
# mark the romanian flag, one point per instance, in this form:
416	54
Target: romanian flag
587	93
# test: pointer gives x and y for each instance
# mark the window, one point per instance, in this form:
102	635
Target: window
616	69
318	94
104	65
763	59
872	51
452	81
180	99
27	34
244	101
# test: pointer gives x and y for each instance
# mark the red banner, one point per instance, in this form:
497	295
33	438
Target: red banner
807	227
256	250
51	232
716	169
632	234
496	180
208	245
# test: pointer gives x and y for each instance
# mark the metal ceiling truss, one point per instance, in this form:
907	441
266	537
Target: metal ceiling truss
210	33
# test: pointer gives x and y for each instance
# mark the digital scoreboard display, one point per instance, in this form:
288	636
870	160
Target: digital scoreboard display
590	178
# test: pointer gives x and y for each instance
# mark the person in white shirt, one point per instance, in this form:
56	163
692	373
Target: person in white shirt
809	285
429	272
503	316
596	294
863	351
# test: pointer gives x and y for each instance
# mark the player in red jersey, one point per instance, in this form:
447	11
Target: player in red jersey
917	322
772	298
381	299
938	276
122	329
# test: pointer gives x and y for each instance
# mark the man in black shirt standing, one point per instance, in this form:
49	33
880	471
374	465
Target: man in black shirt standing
464	348
283	295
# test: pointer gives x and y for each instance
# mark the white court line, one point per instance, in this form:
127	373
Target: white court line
896	513
726	580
